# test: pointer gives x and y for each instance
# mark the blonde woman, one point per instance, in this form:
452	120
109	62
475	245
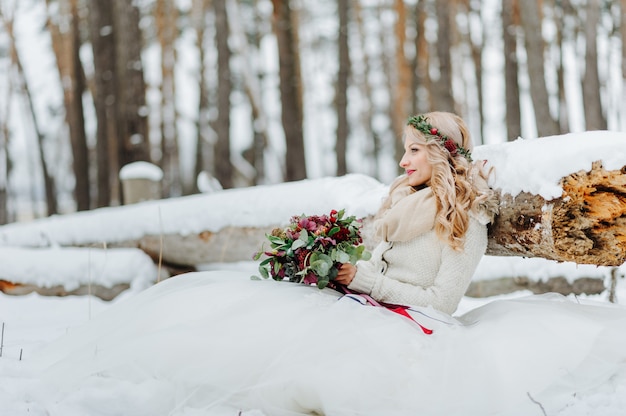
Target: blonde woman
433	224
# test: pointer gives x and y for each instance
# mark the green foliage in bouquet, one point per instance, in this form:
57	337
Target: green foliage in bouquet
311	249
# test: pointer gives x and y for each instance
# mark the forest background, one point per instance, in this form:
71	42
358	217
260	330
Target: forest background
258	91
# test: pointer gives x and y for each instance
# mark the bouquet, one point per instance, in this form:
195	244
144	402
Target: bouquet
311	249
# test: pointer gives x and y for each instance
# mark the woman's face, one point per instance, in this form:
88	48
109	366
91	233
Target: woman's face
415	163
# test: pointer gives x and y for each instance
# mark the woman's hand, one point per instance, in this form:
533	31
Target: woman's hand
346	274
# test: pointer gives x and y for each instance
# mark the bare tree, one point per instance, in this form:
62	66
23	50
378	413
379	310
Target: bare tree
402	85
102	38
341	97
22	83
5	159
285	28
510	24
594	117
200	9
422	100
166	15
622	23
222	163
252	77
132	113
476	42
531	22
119	99
365	85
559	17
444	99
66	45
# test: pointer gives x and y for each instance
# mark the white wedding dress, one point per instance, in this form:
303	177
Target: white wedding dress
219	343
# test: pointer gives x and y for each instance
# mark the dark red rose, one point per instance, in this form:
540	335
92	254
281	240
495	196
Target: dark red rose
310	278
451	146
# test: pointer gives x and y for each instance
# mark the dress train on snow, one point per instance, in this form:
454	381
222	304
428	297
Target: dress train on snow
210	341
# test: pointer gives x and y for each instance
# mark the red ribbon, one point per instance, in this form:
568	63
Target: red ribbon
399	309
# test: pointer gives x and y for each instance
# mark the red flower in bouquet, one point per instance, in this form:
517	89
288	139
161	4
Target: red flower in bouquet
311	249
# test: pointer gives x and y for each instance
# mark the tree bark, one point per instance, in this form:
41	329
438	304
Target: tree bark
75	114
563	118
49	187
199	15
444	100
422	85
132	113
166	15
585	225
252	78
364	83
103	46
5	157
622	27
290	89
65	45
622	23
531	22
476	40
341	98
510	23
222	163
402	86
594	118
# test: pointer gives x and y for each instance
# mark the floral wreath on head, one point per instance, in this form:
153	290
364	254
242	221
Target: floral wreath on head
421	124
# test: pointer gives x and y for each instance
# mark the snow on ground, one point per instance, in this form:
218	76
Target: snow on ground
33	321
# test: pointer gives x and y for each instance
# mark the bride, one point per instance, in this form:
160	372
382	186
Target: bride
216	343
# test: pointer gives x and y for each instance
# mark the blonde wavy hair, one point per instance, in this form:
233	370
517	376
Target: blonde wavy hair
459	186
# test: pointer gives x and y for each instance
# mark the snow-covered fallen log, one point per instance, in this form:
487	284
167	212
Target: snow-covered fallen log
224	226
562	198
586	225
75	271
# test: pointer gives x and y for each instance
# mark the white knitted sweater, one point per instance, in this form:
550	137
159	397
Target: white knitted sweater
423	271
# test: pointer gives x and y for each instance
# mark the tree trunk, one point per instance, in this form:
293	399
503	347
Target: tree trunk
560	74
251	83
199	15
585	225
75	115
290	89
594	118
531	22
622	23
66	46
49	188
387	56
341	98
5	158
166	16
444	100
103	46
402	86
364	83
132	113
510	23
222	163
422	86
476	40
